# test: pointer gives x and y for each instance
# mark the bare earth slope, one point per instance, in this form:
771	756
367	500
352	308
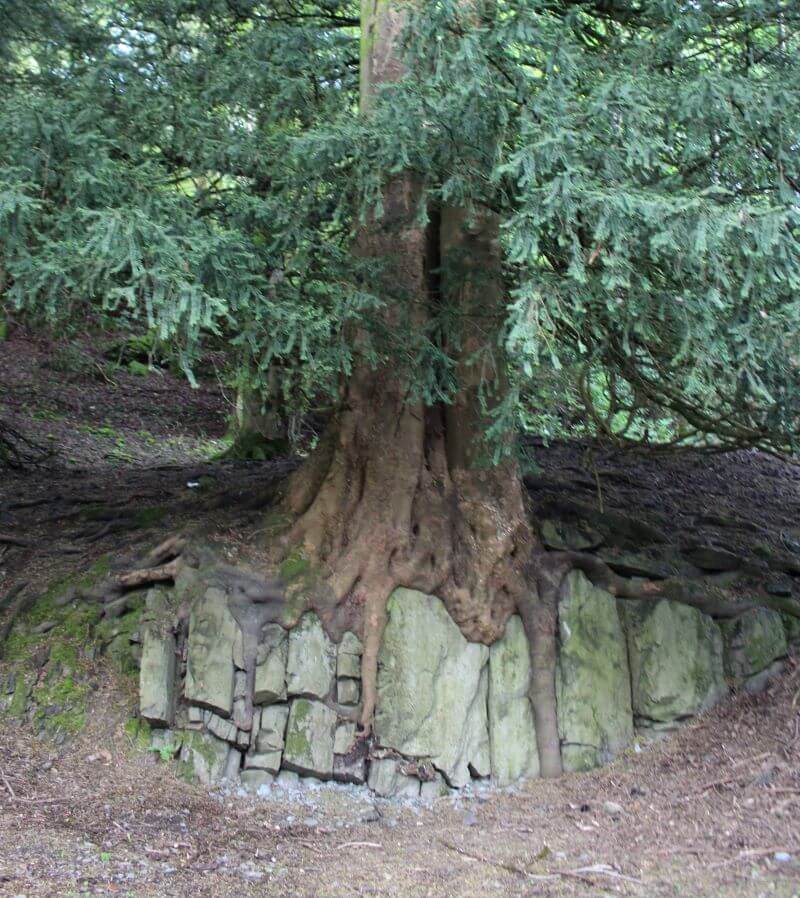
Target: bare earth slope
711	811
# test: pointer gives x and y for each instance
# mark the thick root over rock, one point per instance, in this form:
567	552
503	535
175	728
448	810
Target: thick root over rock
380	507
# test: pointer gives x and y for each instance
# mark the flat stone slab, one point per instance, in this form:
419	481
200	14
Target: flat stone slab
209	663
309	738
675	656
311	661
593	689
512	733
432	689
157	675
348	657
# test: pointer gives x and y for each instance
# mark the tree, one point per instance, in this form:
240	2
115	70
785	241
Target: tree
605	184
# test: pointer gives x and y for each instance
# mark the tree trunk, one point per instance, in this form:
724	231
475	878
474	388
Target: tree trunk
394	495
260	430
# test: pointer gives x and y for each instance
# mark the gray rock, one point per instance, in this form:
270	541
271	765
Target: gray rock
239	684
272	730
233	765
157	675
239	715
345	737
209	664
348	769
348	657
714	558
675	657
759	682
195	714
221	728
311	661
430	790
264	760
753	640
593	687
253	779
634	564
204	757
270	683
432	687
512	734
613	809
348	691
309	738
386	779
288	779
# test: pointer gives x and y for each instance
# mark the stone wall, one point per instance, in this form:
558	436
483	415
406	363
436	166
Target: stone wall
449	711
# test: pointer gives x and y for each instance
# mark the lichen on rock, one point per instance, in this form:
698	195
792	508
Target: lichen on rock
432	688
753	641
593	688
512	733
675	656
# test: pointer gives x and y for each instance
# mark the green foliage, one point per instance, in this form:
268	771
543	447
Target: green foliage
200	167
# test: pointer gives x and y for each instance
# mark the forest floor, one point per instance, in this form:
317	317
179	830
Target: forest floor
713	810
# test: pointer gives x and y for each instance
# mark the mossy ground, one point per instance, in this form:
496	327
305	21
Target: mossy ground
53	669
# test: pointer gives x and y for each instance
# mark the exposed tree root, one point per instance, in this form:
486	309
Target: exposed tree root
701	593
145	576
381	508
11	540
20	604
18	451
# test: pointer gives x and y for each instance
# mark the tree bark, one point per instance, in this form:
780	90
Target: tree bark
393	496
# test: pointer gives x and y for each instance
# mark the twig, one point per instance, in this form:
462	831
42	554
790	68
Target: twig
582	873
753	854
358	845
148	575
7	783
14	540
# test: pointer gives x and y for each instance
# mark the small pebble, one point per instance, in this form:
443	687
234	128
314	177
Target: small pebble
613	809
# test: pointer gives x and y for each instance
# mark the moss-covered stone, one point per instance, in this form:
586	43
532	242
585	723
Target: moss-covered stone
752	641
675	656
791	625
203	757
512	734
593	687
309	738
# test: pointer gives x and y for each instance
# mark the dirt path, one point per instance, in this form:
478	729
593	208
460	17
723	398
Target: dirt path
710	812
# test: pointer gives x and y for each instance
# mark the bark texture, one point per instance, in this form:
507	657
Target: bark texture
395	494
